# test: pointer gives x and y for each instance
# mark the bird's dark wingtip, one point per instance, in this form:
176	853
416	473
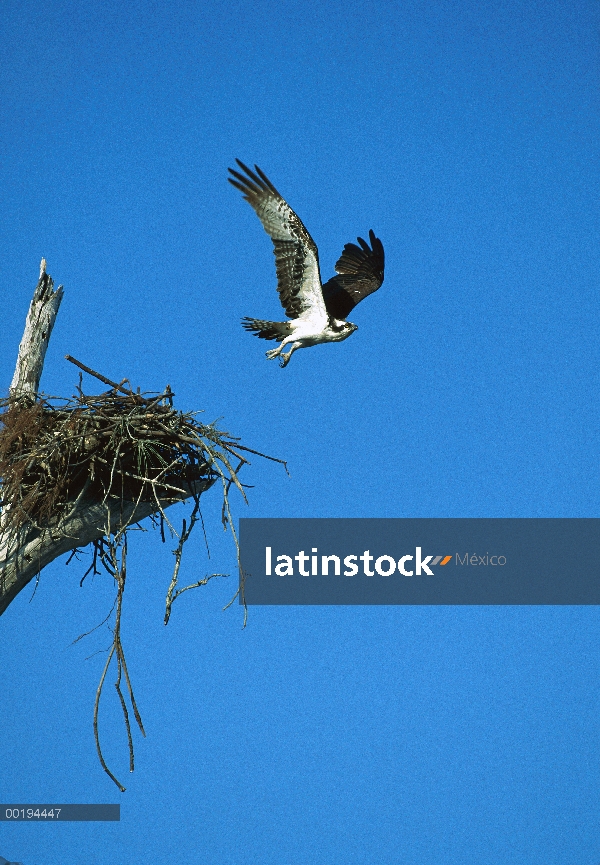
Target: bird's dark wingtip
376	243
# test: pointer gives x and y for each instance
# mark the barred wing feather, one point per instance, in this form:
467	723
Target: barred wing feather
296	255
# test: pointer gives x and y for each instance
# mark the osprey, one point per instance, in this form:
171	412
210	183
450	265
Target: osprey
318	312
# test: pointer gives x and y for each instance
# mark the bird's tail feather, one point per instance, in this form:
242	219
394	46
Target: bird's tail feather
267	329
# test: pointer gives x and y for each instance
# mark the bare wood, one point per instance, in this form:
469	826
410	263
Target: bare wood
38	328
97	375
114	385
26	556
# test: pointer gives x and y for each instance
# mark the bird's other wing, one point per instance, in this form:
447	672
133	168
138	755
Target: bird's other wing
360	272
296	255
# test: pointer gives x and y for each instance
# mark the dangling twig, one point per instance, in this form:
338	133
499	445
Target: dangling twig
118	570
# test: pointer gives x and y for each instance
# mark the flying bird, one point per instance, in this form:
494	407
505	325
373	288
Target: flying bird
317	312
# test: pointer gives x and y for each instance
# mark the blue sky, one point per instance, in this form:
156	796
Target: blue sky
465	134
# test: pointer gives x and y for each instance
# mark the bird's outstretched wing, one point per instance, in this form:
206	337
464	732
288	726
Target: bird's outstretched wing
296	256
360	272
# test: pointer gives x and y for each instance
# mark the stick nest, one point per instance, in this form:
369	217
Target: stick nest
56	454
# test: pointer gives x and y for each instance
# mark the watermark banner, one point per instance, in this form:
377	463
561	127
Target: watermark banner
50	813
420	561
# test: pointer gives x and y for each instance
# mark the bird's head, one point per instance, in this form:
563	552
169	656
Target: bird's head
340	329
347	330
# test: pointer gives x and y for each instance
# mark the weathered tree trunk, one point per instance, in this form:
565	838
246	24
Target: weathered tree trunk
24	554
38	328
32	550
